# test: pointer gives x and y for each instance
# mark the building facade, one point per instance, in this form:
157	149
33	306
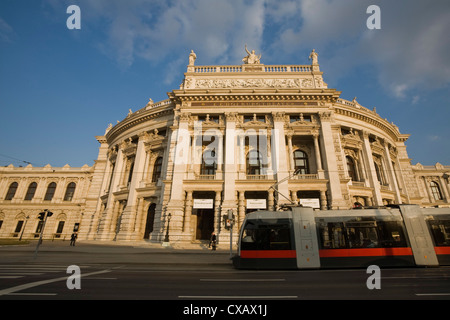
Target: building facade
240	138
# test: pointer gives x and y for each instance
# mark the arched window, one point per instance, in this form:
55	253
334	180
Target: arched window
11	191
254	163
436	191
209	163
50	191
31	191
70	190
301	162
157	169
351	168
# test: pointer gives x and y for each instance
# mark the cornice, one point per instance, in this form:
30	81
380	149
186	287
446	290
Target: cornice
371	118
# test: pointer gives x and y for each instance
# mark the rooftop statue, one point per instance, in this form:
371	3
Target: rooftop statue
251	57
192	57
314	57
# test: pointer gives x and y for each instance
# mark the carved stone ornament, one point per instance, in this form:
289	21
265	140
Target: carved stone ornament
311	83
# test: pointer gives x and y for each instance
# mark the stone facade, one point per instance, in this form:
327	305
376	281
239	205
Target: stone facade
238	138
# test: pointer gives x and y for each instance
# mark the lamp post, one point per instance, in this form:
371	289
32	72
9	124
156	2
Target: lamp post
166	238
230	222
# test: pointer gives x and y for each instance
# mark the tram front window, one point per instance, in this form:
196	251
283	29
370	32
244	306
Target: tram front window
267	235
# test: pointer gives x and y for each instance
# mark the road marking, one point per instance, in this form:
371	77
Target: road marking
31	294
10	277
39	283
243	280
21	273
238	297
433	294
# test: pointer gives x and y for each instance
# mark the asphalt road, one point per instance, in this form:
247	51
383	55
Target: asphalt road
191	277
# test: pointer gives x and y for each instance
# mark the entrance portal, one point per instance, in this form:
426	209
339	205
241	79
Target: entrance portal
203	209
205	223
150	220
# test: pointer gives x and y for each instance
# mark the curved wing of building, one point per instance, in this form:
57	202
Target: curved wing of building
240	138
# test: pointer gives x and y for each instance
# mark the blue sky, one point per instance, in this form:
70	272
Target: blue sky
60	88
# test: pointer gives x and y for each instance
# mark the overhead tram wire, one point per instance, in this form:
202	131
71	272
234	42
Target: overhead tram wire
17	160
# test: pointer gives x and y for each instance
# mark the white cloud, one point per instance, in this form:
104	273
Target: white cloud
6	31
409	52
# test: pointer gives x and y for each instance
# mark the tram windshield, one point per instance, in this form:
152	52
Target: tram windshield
272	234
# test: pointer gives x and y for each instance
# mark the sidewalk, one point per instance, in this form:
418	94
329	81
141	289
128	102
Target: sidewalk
116	253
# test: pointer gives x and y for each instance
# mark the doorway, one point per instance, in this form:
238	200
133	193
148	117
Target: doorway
150	220
203	209
205	223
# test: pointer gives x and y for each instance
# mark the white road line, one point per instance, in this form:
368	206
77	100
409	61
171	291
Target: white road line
20	273
243	280
433	294
32	294
39	283
10	277
237	297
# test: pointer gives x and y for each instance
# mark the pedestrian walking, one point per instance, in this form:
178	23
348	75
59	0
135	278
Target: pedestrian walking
213	241
73	238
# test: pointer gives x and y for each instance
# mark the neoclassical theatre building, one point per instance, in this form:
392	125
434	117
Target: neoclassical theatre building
237	137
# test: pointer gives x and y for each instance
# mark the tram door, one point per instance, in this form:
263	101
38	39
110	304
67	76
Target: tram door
306	241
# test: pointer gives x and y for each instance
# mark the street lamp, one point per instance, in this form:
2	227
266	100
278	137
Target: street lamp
166	239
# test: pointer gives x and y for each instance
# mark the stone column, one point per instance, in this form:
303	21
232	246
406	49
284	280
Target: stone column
372	175
444	190
291	153
392	177
104	230
334	185
217	210
188	213
130	212
180	143
320	172
230	168
241	208
279	158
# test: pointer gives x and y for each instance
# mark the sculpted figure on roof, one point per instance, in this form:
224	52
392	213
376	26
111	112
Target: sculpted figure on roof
251	57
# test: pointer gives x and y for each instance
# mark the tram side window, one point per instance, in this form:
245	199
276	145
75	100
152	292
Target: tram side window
441	232
266	237
332	235
391	234
361	234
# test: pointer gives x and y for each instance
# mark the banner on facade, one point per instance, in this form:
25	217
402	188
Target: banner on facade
203	203
256	204
313	203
